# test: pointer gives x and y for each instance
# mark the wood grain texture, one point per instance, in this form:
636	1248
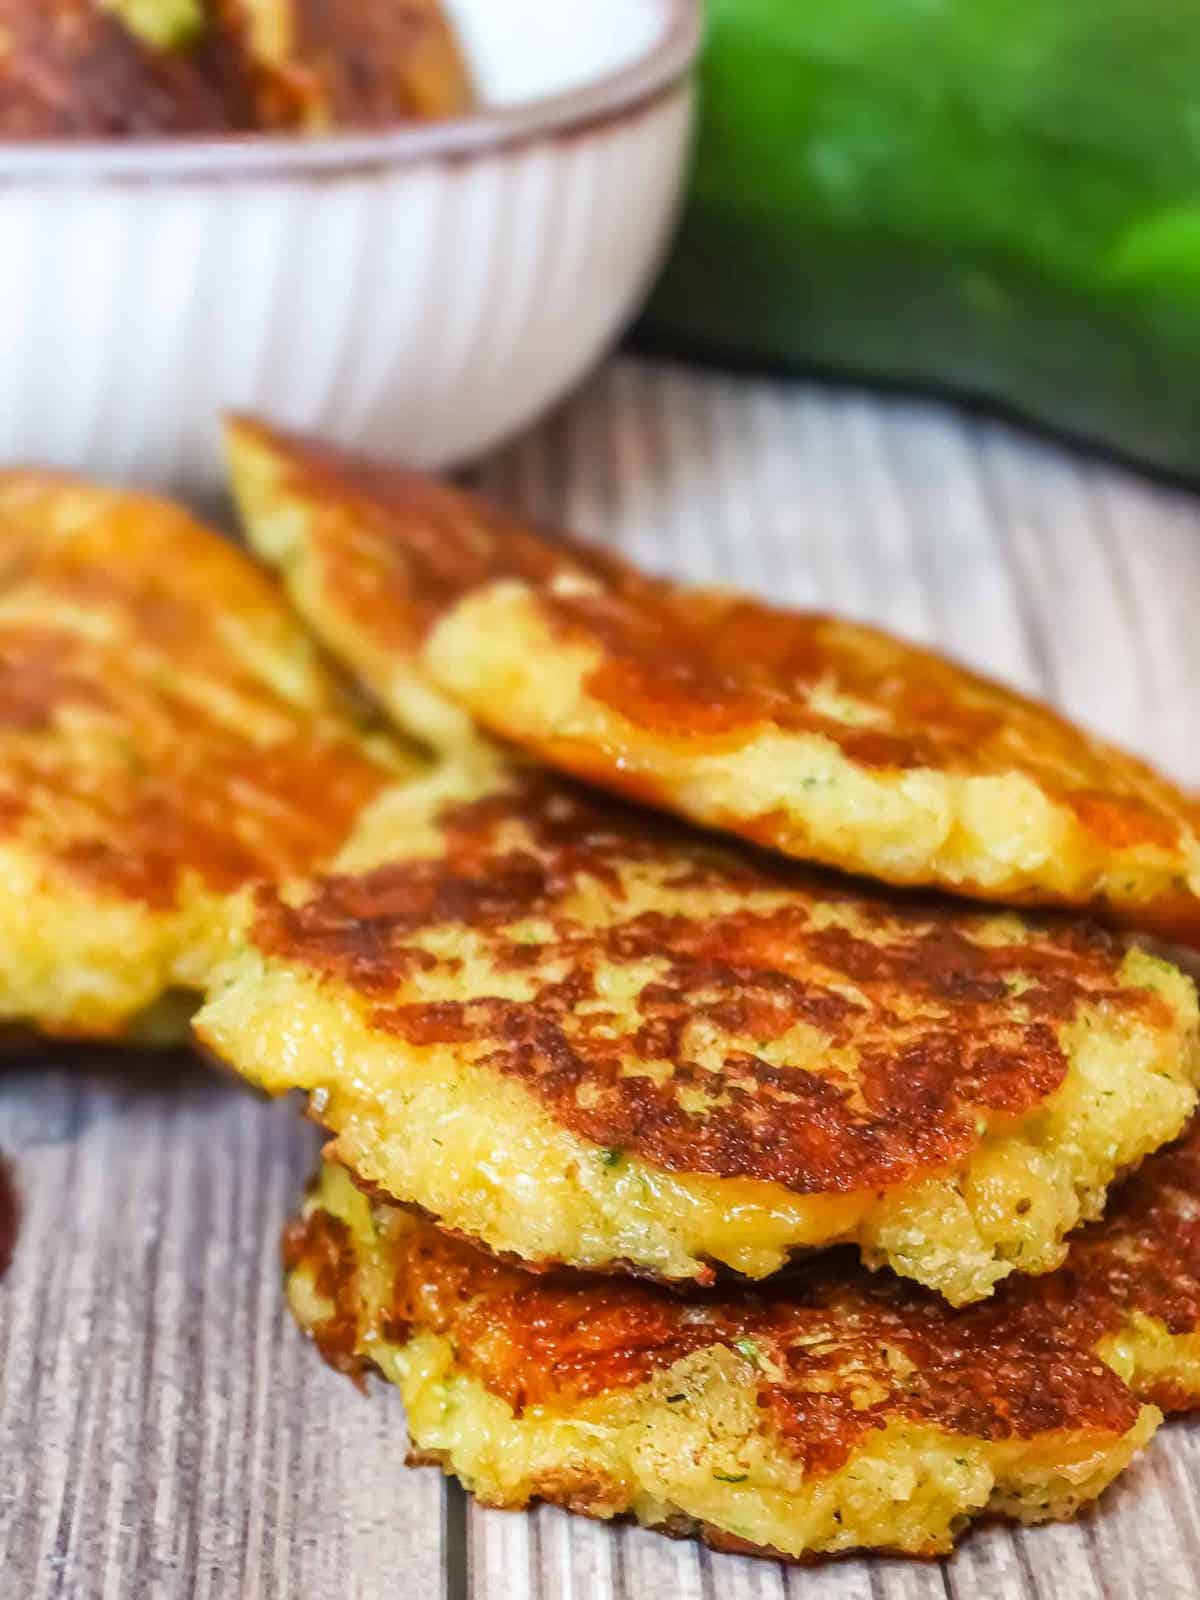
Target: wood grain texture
163	1429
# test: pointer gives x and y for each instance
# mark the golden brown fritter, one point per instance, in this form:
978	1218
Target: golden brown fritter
829	1411
167	733
583	1033
824	739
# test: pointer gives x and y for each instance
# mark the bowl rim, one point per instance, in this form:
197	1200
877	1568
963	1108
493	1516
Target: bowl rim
600	101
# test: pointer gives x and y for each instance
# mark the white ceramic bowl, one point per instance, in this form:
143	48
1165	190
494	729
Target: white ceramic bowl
421	293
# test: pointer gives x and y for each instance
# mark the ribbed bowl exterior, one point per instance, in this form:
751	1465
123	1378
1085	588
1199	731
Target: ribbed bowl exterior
422	310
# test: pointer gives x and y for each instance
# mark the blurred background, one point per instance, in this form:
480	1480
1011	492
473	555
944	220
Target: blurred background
416	224
991	198
904	294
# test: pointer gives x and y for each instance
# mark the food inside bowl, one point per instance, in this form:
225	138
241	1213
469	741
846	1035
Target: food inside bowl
147	68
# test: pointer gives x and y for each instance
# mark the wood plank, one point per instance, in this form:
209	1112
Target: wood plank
163	1428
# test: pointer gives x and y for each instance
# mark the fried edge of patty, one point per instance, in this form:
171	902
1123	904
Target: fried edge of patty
421	1125
277	522
689	1449
495	651
77	965
547	1196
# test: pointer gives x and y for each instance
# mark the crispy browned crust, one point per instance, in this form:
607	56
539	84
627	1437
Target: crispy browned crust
821	1340
1144	1257
838	1353
398	549
69	69
114	768
920	1033
709	671
321	1244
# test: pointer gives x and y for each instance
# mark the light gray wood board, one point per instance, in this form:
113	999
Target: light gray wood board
163	1429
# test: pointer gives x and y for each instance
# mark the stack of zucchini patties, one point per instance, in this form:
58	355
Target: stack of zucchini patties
727	1045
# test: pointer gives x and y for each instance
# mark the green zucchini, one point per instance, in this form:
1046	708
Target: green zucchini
994	197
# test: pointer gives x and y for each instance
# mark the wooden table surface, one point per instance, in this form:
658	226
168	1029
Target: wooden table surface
164	1431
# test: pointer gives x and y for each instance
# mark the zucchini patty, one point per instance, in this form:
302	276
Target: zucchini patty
821	738
167	732
585	1034
829	1411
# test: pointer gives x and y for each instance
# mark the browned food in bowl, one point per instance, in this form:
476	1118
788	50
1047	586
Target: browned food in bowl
318	64
87	69
71	70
